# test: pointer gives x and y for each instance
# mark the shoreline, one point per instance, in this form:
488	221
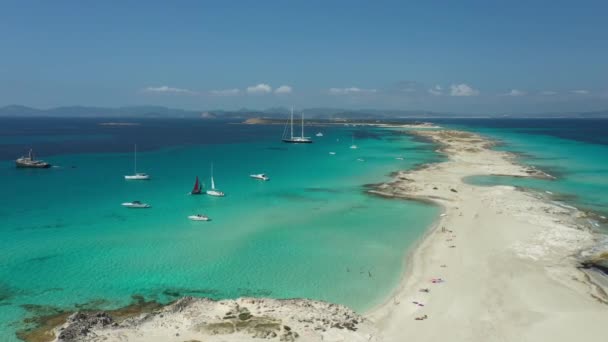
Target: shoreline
510	313
451	318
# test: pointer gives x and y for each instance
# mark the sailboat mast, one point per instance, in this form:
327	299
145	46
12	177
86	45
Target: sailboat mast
212	182
302	124
291	122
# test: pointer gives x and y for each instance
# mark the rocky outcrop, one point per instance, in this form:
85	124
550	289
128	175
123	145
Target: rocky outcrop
80	324
227	320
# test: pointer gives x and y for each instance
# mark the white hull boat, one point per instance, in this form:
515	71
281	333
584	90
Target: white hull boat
353	146
136	205
213	191
136	175
199	217
260	176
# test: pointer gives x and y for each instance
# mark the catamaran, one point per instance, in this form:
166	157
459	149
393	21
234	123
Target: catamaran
295	140
136	175
197	189
136	205
213	191
260	176
29	162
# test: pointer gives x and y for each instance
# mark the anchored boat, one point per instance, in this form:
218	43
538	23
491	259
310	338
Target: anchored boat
30	162
136	175
295	140
213	191
197	189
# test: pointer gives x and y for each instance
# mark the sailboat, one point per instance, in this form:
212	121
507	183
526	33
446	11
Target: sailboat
137	175
353	146
295	140
197	189
213	191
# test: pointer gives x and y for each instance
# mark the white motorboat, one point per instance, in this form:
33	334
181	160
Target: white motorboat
360	159
136	205
137	175
319	134
260	176
213	191
399	158
199	217
332	153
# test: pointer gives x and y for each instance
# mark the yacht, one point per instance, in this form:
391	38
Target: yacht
260	176
30	162
213	191
199	217
136	175
136	205
295	140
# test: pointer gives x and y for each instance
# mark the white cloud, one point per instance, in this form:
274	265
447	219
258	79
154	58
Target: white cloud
350	91
225	92
548	92
436	90
515	92
463	90
580	92
284	89
261	88
167	90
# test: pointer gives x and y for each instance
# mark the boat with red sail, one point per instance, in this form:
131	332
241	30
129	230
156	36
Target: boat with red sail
197	189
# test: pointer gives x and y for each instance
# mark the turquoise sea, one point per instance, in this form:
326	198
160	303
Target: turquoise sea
574	151
310	231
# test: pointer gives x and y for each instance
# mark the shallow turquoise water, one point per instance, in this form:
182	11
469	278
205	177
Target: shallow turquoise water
581	168
310	231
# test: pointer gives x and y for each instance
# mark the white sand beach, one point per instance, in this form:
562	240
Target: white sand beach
500	265
507	258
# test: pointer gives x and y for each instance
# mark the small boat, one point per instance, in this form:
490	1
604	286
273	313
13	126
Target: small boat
136	205
199	217
332	153
360	159
136	175
353	146
399	158
319	134
30	162
260	176
213	191
197	189
295	140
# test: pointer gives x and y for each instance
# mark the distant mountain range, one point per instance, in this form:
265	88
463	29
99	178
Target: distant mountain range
279	112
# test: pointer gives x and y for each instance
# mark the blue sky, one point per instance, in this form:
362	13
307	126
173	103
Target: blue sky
459	56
